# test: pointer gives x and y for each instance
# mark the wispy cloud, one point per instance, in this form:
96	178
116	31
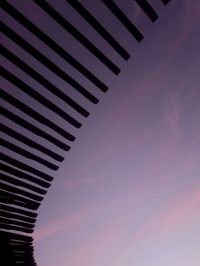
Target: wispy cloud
97	245
189	20
61	223
172	217
173	114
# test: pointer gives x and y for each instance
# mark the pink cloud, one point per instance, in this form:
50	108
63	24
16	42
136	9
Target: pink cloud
190	11
127	110
60	224
76	219
97	245
173	114
172	217
86	214
112	233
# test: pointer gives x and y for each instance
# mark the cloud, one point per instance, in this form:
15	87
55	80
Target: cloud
65	222
189	20
119	231
173	216
173	113
76	219
97	245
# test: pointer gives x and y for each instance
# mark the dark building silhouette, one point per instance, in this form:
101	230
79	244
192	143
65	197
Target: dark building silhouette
23	186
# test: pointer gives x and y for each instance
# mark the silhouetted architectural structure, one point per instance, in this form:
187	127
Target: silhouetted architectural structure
23	186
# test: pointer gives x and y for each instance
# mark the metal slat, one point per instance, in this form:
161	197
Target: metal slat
15	228
15	222
41	58
123	19
24	167
53	45
16	135
18	211
35	115
10	198
77	35
21	184
20	192
17	217
148	9
48	85
25	124
99	28
27	154
38	97
165	2
17	173
31	72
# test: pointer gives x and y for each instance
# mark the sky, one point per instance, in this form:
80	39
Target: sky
128	192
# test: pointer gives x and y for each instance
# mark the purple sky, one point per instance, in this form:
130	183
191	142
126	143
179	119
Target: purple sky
131	190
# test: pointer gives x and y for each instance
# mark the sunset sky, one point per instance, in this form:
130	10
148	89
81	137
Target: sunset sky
128	192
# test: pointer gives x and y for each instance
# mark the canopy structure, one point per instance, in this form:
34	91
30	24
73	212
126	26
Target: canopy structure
42	101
